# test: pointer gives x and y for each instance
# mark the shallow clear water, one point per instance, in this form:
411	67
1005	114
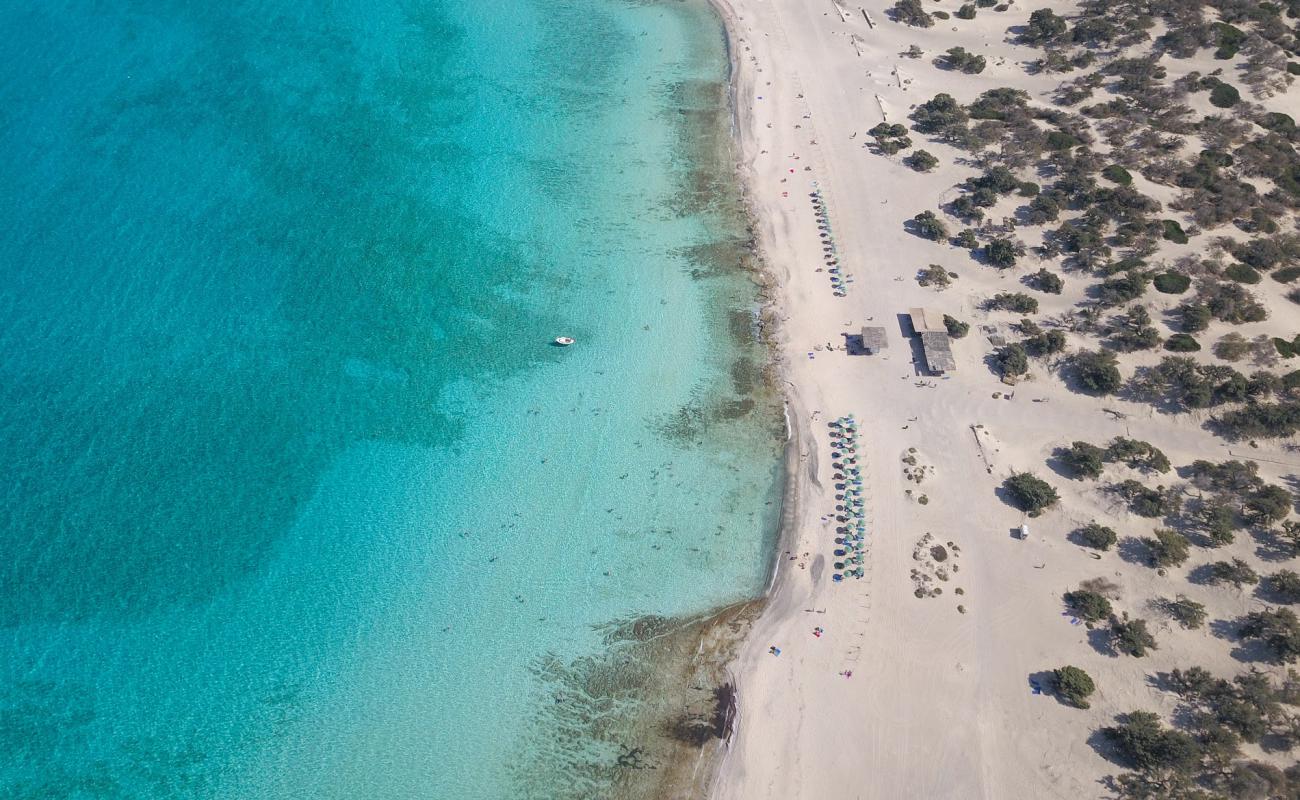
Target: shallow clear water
300	502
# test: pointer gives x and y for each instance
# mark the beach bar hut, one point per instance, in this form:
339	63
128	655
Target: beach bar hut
937	349
926	320
873	340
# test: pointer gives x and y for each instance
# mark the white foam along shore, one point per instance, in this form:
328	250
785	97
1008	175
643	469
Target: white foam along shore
900	696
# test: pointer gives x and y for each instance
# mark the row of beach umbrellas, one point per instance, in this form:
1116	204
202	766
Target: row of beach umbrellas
850	510
839	279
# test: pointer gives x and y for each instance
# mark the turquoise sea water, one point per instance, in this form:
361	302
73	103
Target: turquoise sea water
298	497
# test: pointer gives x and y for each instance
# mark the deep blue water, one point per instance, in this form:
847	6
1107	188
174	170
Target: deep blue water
298	496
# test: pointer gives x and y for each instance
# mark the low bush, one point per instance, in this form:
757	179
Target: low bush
1002	253
1011	360
1189	613
1278	629
955	327
921	161
1172	231
1182	343
1286	274
1029	493
1131	637
910	12
1168	548
960	58
1008	301
1222	95
1074	685
1098	537
929	226
1172	283
1085	460
1088	606
1117	174
1047	281
1097	371
1285	584
1243	274
1142	742
1236	572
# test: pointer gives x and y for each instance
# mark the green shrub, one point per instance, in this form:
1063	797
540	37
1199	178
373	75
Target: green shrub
1243	274
1011	360
1122	289
1098	537
1286	585
940	116
1147	745
1267	504
1097	371
1172	231
1236	572
1277	122
1286	274
1182	343
1137	454
1168	548
1002	253
1189	613
1031	494
1262	421
1228	39
1223	95
960	58
1172	283
1008	301
1117	174
1084	459
1046	281
1074	685
1044	26
1195	316
1276	628
1131	637
934	275
929	226
955	327
1060	140
1046	343
910	12
1148	502
1088	606
967	11
921	161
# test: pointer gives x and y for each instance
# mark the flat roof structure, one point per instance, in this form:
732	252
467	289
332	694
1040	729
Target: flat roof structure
937	349
873	340
926	320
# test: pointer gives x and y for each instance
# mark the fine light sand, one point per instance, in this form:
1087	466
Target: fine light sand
939	703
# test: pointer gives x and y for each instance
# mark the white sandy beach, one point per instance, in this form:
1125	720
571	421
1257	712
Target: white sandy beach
939	703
